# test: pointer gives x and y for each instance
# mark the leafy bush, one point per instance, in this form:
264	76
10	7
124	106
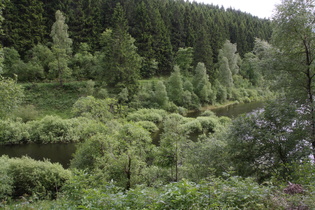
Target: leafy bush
52	129
191	126
153	115
232	193
99	109
150	126
41	179
208	123
13	132
6	186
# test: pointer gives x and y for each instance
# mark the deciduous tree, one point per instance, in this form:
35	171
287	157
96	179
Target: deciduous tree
294	35
61	47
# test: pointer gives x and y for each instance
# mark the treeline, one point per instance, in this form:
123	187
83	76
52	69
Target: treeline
160	28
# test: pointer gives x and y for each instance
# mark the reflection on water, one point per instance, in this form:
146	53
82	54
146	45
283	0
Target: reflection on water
232	111
56	153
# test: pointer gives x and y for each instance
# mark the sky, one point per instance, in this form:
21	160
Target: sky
260	8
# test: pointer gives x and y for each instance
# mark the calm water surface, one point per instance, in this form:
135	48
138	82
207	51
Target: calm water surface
56	153
62	153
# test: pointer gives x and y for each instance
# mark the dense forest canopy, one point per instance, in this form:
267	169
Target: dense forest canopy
159	27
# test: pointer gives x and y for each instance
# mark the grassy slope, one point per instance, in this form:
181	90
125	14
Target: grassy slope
51	98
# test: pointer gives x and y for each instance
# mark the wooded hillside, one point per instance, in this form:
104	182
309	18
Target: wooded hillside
159	27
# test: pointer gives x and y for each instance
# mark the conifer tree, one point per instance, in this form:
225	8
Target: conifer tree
203	50
162	44
24	24
120	60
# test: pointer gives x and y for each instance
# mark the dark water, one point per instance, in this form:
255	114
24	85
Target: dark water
232	111
56	153
62	153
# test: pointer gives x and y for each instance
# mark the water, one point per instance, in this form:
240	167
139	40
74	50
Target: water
56	153
233	110
62	153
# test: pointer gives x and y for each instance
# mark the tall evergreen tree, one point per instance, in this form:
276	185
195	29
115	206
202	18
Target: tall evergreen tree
24	24
162	44
85	23
120	60
203	52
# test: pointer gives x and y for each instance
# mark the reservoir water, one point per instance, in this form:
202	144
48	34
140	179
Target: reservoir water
62	153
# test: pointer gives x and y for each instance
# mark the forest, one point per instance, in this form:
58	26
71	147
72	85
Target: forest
120	79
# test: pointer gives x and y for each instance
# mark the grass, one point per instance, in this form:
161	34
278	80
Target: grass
51	98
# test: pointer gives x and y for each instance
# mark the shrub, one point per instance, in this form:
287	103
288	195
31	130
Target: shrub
13	132
98	109
41	179
152	115
191	126
6	186
52	129
149	126
208	124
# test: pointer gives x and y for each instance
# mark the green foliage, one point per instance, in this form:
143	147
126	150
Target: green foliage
202	86
148	125
161	97
294	36
229	51
13	132
249	69
119	156
42	56
61	48
24	25
216	193
192	125
184	59
84	63
175	86
50	129
51	99
6	187
93	108
53	129
274	137
152	115
11	95
26	113
33	178
120	61
88	90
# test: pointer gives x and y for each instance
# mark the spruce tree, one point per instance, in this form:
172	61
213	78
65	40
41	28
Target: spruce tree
120	60
24	24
